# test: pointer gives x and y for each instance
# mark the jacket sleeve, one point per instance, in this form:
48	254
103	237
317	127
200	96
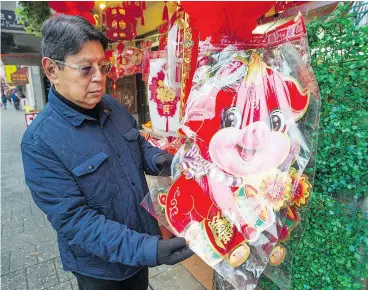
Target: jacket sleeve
57	193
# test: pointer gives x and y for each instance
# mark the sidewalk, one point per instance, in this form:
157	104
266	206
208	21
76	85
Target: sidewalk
29	253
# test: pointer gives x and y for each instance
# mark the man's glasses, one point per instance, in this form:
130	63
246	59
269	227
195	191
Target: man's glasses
88	71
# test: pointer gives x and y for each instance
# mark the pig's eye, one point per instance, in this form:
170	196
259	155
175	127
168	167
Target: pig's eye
231	118
277	121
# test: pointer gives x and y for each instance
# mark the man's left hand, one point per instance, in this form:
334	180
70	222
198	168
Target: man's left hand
163	163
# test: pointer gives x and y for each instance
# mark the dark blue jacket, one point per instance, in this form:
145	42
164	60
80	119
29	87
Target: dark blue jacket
87	175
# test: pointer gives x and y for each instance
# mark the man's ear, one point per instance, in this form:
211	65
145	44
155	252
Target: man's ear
51	70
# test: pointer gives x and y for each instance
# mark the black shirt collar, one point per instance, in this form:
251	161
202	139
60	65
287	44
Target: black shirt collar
93	113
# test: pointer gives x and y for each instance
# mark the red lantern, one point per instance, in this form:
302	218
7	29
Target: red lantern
89	17
238	19
59	6
75	8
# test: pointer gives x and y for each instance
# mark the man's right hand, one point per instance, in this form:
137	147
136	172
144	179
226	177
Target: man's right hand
173	251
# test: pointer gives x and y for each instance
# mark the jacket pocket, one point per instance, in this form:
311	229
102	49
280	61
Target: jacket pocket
96	179
88	263
132	137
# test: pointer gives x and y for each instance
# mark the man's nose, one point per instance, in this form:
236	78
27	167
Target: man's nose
97	77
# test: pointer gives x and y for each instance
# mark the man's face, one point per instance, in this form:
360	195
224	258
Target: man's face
85	92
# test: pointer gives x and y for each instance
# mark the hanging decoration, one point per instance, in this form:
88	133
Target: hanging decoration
113	75
190	55
165	12
135	9
121	20
177	15
163	99
119	25
128	60
146	46
77	8
125	61
163	29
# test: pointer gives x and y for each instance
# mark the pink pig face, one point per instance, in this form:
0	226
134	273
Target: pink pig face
253	149
254	134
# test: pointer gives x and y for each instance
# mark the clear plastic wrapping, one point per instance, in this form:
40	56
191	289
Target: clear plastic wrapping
239	183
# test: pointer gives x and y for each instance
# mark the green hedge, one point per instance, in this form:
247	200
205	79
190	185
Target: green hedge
340	62
32	14
332	250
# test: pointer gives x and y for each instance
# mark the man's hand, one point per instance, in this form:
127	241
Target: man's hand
173	251
163	163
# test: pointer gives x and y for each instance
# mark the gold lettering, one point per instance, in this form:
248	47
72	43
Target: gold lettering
166	109
221	229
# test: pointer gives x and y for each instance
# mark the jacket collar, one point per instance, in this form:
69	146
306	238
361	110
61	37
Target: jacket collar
73	116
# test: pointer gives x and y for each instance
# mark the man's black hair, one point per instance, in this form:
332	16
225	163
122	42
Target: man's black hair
64	35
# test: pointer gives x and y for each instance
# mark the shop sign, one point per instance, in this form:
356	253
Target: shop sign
16	76
9	21
30	117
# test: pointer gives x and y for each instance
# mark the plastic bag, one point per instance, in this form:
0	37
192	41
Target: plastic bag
239	182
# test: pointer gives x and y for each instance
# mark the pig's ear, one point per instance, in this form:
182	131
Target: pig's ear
201	109
299	98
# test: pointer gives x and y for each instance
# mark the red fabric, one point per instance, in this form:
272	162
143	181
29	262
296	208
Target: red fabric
59	6
236	20
89	17
76	8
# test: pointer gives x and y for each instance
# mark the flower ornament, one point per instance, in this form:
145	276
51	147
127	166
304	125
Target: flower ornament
301	187
275	187
165	94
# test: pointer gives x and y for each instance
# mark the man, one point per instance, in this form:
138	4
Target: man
4	100
84	161
15	100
